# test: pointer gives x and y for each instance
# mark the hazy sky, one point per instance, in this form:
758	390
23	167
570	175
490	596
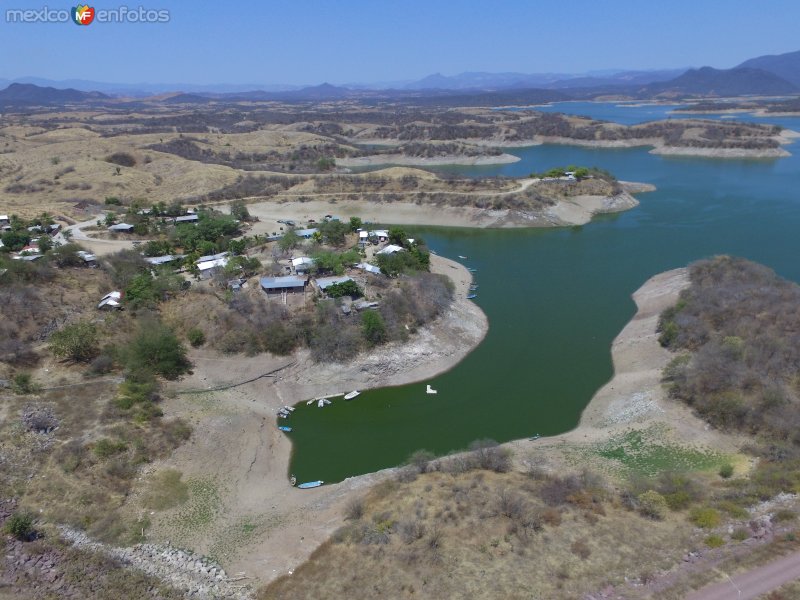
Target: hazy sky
342	41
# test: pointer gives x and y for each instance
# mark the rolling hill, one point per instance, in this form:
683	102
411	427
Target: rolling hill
786	65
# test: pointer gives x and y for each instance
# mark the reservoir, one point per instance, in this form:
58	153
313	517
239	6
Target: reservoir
556	298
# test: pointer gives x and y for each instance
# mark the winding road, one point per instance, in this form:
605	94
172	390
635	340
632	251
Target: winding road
751	584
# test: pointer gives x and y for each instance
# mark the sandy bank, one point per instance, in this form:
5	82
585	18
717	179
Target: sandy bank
260	525
402	159
577	210
721	152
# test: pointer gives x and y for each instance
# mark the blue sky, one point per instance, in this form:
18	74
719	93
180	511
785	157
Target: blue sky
341	41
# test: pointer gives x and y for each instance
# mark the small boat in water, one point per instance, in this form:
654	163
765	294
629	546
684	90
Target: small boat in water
471	296
326	401
534	437
471	270
321	402
289	408
351	395
311	401
284	428
310	484
430	390
459	256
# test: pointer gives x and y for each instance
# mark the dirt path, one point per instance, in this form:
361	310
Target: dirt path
97	246
753	583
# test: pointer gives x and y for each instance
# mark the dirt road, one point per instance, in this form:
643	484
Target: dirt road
753	583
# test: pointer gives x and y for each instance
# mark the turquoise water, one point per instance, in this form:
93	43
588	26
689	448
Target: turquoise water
556	299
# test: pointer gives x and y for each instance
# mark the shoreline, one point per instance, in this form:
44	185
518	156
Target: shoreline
411	161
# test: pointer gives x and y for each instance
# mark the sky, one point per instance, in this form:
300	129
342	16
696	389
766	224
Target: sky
303	42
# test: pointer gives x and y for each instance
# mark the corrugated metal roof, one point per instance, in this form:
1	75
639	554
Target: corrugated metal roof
325	282
277	283
161	260
121	227
212	257
301	261
187	219
306	232
369	268
211	264
390	249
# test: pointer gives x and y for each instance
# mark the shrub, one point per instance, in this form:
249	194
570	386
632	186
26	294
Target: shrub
373	327
345	288
652	505
123	159
20	525
581	549
705	517
726	471
784	515
23	384
77	342
421	459
740	534
196	337
489	456
155	348
714	541
105	448
354	509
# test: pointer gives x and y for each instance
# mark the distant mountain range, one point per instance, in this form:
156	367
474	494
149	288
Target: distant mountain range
765	75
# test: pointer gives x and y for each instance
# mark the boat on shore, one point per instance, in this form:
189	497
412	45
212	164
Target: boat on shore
321	402
325	401
535	437
311	401
309	485
351	395
289	408
284	428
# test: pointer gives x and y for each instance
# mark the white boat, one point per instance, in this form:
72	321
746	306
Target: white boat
321	402
311	401
430	390
460	256
326	401
351	395
289	408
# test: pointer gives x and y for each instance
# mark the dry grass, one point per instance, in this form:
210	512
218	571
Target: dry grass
481	535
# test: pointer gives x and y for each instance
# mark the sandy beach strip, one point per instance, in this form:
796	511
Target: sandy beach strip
420	161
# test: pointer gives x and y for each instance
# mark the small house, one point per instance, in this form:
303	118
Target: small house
121	228
390	249
363	237
281	285
187	219
89	260
369	268
4	220
162	260
323	283
302	264
211	257
306	233
111	301
207	268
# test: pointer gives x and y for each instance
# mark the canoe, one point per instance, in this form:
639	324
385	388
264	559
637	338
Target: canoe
284	428
352	395
310	484
472	296
460	256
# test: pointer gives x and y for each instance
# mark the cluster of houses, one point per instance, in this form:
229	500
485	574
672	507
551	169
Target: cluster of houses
31	250
190	217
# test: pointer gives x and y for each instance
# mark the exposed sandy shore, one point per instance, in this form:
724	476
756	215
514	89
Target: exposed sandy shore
577	210
721	152
237	446
402	159
635	397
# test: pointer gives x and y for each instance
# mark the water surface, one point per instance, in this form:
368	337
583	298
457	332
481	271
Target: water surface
556	299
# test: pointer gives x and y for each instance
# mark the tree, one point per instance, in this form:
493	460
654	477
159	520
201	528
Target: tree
67	256
289	240
15	240
373	327
355	223
239	210
334	232
397	235
156	349
45	244
345	288
77	342
237	247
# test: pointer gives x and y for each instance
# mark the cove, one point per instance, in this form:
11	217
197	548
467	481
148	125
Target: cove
556	299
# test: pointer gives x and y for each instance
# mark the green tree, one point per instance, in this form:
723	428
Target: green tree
373	327
237	247
289	240
345	288
355	223
45	244
77	342
239	210
334	232
155	348
20	525
398	236
15	240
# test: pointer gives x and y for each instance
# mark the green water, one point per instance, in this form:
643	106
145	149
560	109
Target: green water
555	300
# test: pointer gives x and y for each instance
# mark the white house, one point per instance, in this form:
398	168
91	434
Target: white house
390	249
209	267
121	228
186	219
302	264
369	268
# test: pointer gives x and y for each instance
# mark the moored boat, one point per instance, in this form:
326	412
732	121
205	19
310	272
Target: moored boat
310	484
351	395
284	428
321	402
472	296
430	390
